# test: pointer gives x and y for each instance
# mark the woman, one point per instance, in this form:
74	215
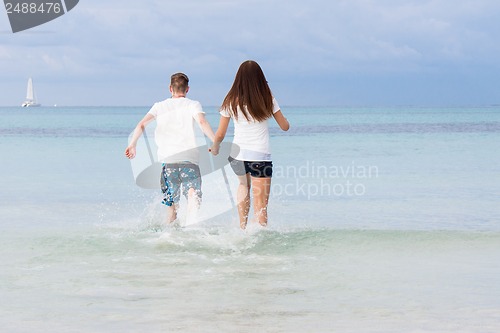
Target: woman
250	104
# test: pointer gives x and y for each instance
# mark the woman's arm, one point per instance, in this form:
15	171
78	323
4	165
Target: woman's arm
282	121
139	129
220	134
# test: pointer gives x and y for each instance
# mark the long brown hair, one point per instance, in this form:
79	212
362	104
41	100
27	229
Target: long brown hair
250	92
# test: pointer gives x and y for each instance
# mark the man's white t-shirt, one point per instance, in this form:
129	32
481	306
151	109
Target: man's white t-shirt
251	136
175	133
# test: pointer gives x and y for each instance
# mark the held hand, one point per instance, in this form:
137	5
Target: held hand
130	152
214	150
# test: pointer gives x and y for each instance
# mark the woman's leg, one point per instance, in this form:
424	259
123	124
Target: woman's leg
243	197
261	189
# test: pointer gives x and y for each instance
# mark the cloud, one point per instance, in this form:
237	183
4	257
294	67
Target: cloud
5	54
131	48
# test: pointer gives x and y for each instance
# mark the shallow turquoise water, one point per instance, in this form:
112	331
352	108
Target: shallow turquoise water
381	220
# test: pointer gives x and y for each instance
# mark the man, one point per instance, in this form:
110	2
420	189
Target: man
177	148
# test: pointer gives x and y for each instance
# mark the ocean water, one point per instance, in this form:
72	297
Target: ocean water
380	220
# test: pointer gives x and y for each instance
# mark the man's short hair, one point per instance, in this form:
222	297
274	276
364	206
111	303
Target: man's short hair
179	82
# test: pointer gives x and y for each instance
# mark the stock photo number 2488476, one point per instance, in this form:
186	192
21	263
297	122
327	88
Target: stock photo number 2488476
26	14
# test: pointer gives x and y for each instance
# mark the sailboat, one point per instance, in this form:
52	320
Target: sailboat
30	96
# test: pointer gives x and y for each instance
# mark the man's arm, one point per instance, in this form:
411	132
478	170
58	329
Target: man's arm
139	129
205	126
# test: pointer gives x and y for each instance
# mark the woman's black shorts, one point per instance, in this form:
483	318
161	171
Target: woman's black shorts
258	169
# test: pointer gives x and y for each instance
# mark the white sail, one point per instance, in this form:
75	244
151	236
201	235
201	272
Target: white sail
30	92
30	95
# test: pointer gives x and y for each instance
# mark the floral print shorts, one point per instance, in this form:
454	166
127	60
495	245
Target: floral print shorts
176	177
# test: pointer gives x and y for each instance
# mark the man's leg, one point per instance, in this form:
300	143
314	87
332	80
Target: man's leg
170	186
191	183
193	206
172	213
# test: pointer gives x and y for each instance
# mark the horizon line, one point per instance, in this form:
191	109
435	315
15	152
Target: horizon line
284	106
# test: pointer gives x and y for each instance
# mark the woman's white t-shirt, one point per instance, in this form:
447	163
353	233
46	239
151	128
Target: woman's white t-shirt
175	133
251	136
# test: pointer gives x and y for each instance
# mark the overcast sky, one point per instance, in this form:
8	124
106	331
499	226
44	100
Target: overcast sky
316	52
